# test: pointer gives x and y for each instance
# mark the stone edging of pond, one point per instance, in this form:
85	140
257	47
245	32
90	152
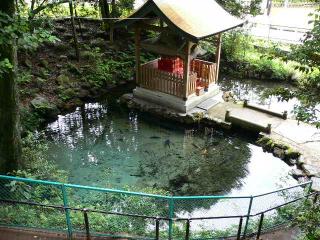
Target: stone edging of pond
286	153
171	115
289	154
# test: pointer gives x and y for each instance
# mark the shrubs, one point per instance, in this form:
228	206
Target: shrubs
240	57
105	70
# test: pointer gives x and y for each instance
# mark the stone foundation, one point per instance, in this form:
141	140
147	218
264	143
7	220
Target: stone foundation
173	102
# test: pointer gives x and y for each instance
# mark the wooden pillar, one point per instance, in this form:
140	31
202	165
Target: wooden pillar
161	23
218	52
138	50
186	70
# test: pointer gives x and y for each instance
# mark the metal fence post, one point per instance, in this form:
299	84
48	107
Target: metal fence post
260	226
188	230
86	222
67	210
315	199
157	229
239	229
171	216
248	213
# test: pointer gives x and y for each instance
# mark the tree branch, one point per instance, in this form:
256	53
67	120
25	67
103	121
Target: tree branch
49	5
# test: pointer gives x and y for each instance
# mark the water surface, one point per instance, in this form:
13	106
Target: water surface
103	145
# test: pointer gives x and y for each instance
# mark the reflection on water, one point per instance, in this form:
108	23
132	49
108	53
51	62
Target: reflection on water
252	90
103	145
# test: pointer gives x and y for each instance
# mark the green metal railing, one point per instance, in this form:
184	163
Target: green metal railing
116	211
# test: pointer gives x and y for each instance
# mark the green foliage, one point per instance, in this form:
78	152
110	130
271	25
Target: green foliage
244	56
24	77
30	120
37	166
38	37
107	70
308	220
239	8
284	94
98	73
12	29
309	52
125	6
5	66
67	93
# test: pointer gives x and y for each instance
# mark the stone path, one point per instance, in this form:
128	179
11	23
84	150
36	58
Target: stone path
303	137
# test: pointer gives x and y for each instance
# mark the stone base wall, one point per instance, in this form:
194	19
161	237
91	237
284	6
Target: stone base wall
173	102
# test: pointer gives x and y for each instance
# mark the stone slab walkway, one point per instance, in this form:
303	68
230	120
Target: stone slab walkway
305	138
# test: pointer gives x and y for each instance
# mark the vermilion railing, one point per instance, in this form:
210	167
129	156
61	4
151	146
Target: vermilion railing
202	73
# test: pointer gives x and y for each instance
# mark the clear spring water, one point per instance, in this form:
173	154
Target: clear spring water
101	144
252	90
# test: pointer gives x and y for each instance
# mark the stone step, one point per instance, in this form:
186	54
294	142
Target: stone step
207	104
247	122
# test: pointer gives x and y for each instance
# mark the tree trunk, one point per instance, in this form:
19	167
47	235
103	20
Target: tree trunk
113	4
104	8
74	32
10	141
105	13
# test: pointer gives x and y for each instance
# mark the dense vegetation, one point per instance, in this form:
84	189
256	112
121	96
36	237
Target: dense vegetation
246	57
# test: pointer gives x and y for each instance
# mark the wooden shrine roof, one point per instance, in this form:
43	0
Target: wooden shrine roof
194	19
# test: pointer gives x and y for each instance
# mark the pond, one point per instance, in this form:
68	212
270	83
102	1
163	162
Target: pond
101	144
252	90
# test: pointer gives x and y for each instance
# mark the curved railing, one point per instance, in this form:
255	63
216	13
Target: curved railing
91	210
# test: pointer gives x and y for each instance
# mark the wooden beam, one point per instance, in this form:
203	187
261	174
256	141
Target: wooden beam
186	70
218	52
138	50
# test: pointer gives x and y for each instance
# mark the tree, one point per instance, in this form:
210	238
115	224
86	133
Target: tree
309	52
308	90
10	141
104	8
37	6
239	8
